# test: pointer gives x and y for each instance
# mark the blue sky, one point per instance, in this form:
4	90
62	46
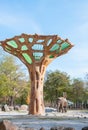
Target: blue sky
66	18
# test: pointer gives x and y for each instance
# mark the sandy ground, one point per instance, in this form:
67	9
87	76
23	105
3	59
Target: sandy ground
73	118
69	113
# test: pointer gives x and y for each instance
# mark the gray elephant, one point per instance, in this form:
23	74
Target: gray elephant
62	104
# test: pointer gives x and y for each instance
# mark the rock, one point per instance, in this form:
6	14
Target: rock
69	128
11	108
62	128
5	108
42	128
29	129
57	128
53	128
85	128
24	107
7	125
16	108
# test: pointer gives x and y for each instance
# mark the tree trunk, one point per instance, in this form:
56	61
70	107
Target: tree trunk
36	106
11	101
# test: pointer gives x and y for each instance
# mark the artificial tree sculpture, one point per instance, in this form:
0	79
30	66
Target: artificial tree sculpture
36	52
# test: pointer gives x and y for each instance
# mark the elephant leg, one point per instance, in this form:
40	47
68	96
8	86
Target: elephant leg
65	109
57	108
62	109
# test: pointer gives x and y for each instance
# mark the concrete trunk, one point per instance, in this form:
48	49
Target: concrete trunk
36	106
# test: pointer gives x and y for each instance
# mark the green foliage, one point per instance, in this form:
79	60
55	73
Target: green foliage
55	84
3	85
12	81
58	82
77	90
24	92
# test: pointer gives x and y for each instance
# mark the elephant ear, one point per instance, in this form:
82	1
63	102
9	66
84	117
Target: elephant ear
65	99
60	98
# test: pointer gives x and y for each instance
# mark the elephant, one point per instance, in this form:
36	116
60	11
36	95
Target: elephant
62	104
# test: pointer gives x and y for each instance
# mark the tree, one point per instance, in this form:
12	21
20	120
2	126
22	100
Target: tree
78	91
55	84
11	79
86	89
24	94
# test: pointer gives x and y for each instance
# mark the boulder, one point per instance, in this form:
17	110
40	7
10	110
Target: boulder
85	128
7	125
62	128
5	108
28	128
24	107
68	128
42	128
11	108
57	128
17	108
